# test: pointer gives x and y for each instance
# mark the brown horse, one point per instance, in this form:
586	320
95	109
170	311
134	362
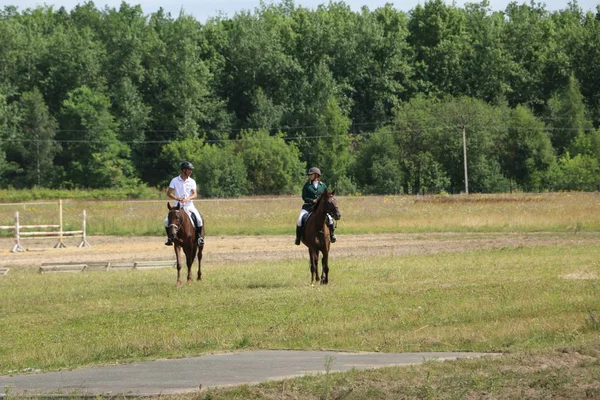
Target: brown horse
316	235
183	234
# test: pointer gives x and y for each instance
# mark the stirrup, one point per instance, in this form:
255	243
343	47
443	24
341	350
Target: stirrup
200	241
332	238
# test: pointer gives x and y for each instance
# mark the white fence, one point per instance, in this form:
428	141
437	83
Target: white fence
60	233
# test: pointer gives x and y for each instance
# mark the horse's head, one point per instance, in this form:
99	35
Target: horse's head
174	220
331	206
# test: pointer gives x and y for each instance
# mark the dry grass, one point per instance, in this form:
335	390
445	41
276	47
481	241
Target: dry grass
558	212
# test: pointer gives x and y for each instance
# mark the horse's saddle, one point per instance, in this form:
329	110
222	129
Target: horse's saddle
192	218
305	218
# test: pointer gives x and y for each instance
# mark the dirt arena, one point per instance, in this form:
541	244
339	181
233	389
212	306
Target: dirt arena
271	248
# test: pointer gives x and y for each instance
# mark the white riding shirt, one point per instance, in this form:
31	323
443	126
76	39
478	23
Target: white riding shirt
184	188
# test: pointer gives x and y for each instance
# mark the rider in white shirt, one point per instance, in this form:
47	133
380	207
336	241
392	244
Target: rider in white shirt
183	189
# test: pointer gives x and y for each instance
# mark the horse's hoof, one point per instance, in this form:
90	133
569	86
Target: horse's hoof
179	284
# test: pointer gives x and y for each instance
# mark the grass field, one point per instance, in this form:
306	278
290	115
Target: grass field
539	305
555	212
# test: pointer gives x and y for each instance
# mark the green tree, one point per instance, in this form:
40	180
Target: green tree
21	46
174	153
528	154
377	168
219	171
9	138
486	65
567	116
273	166
127	37
257	66
178	86
379	73
485	130
581	172
439	38
132	117
539	64
332	150
265	114
415	129
39	147
93	156
578	38
73	59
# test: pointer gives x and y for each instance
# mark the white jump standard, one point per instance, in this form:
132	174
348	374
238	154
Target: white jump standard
60	232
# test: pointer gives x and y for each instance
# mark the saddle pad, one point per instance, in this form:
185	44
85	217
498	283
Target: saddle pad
192	217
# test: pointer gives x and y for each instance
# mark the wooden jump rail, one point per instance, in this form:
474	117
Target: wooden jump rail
78	266
60	233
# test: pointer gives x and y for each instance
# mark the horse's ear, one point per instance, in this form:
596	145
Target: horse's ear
333	192
168	205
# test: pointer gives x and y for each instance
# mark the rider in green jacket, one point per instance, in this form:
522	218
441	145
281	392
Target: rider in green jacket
311	192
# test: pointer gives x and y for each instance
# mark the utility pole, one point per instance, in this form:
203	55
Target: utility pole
464	138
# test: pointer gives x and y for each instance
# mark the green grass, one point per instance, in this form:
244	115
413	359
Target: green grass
522	299
538	305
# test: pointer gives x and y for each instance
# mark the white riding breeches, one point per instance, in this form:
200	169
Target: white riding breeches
303	212
191	209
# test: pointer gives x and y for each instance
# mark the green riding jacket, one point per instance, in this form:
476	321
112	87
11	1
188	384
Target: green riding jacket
309	193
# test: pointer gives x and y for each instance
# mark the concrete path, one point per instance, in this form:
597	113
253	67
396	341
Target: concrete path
191	374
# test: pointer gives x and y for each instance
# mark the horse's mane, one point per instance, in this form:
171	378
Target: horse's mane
320	199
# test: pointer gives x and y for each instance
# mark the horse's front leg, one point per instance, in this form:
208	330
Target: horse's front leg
314	266
325	272
190	255
178	258
200	248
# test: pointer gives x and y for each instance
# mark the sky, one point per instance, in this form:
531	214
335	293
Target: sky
204	9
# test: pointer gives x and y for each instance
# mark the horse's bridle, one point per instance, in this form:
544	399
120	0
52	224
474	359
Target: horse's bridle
175	225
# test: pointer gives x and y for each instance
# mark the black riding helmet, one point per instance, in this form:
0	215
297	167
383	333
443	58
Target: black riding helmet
186	165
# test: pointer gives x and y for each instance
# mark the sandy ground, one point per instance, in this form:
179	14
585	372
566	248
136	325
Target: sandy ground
264	248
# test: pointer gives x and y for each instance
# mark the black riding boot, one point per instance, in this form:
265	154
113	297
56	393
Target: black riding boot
332	237
199	234
298	235
169	242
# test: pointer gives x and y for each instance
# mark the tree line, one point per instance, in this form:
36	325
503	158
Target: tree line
377	99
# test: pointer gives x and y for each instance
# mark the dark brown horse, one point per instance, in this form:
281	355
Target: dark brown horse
316	235
183	234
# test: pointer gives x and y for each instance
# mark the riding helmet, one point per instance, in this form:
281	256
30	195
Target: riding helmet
186	165
314	170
